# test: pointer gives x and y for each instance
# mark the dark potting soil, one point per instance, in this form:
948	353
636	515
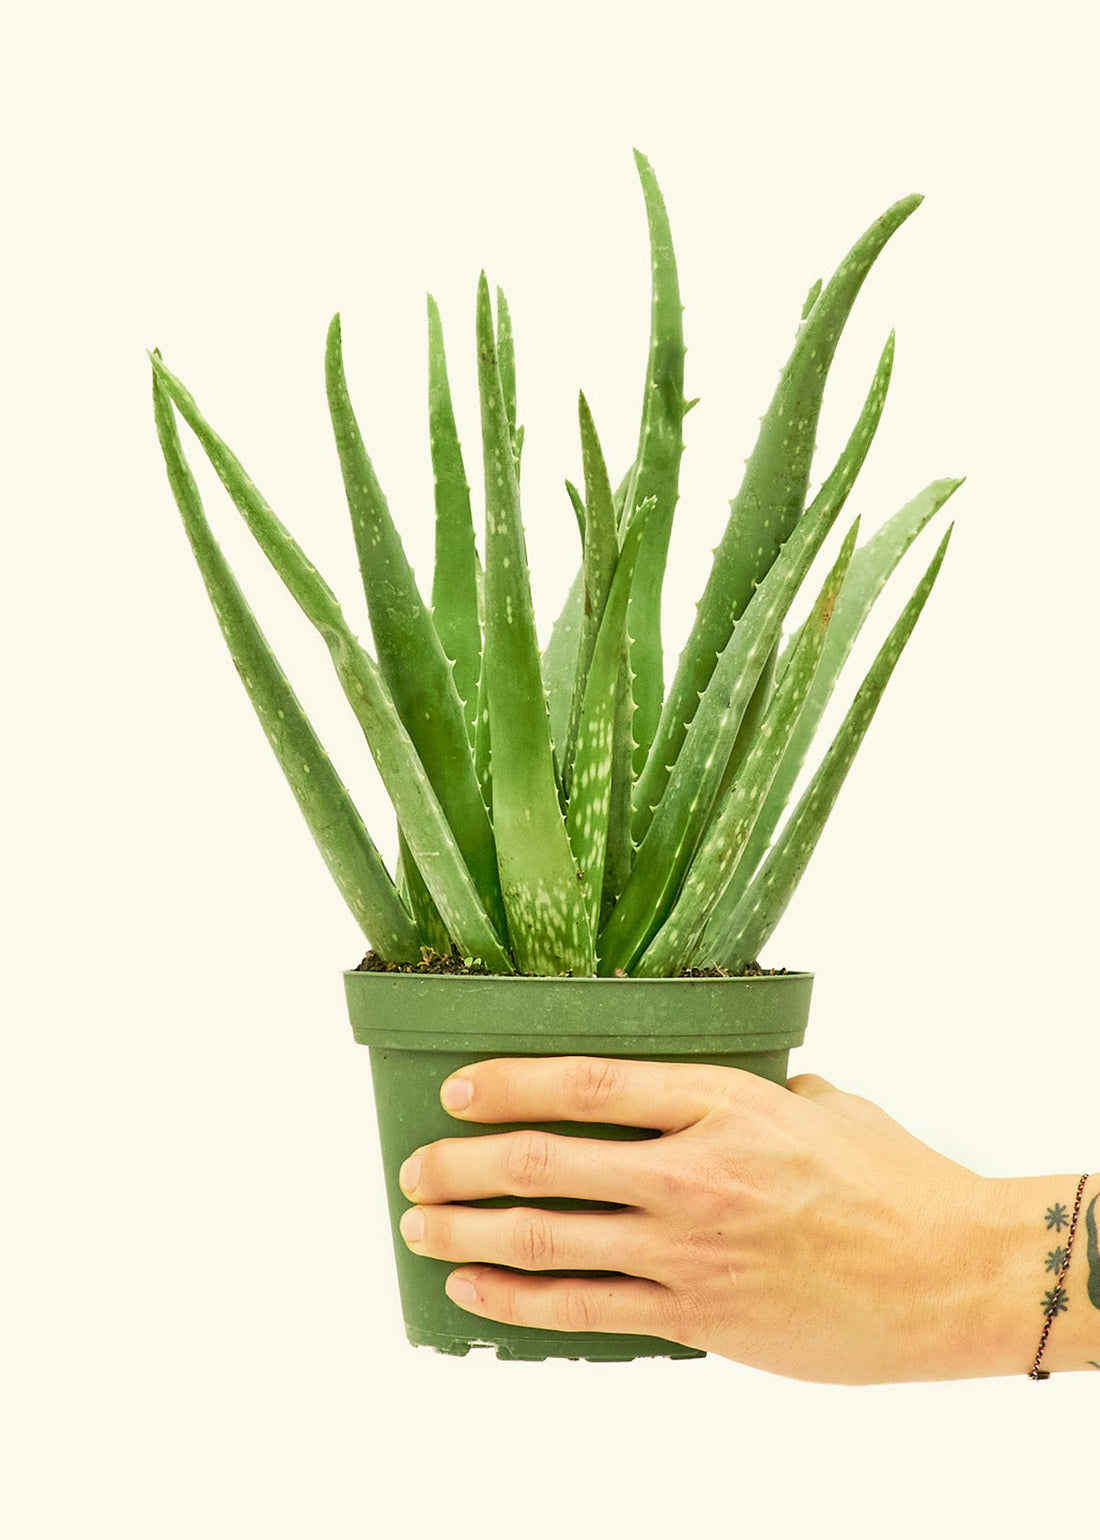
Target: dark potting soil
434	962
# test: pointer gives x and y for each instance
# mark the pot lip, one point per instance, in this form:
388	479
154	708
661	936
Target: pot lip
569	979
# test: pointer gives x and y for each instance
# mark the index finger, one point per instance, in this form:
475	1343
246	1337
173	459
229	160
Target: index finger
635	1093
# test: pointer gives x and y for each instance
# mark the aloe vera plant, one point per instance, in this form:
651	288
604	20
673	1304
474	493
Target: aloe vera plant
560	812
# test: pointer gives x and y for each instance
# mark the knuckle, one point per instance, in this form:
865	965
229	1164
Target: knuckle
592	1083
806	1085
700	1181
529	1162
532	1239
683	1312
576	1311
436	1174
859	1109
668	1310
436	1241
498	1295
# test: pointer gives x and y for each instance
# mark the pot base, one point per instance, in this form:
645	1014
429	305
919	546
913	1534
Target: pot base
536	1347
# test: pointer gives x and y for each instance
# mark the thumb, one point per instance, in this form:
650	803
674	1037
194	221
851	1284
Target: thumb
810	1086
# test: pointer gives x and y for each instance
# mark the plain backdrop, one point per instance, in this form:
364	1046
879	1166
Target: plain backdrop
201	1329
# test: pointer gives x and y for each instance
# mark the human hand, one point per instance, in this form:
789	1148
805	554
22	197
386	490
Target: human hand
799	1229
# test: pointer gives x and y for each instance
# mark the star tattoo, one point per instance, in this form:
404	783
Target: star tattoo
1055	1301
1057	1216
1056	1259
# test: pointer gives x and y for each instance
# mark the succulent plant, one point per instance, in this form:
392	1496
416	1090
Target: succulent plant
559	812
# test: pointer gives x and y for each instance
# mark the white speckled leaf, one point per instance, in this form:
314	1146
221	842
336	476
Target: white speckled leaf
715	865
742	924
772	494
871	567
454	575
418	809
419	677
348	850
590	801
543	897
601	553
693	785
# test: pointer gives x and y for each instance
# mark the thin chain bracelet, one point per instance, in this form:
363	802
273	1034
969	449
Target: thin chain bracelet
1056	1299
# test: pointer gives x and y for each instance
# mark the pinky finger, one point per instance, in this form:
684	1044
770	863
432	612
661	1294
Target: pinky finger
635	1306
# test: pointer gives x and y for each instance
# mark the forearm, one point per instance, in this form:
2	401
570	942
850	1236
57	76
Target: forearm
1019	1252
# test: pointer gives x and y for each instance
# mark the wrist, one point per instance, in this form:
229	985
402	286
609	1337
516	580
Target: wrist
1022	1246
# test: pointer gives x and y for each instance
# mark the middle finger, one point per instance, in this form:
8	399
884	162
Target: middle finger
531	1164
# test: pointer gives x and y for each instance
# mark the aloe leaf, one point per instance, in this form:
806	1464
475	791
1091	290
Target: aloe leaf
305	584
715	865
742	924
579	510
419	814
871	567
834	491
619	856
657	465
420	903
600	556
506	363
772	492
678	822
559	660
418	810
544	901
590	803
348	850
601	548
454	583
750	722
417	673
482	744
623	512
833	494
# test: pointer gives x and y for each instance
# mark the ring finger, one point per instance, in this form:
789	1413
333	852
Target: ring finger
533	1239
531	1164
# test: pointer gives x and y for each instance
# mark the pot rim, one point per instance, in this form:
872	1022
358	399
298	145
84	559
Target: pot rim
418	1011
569	978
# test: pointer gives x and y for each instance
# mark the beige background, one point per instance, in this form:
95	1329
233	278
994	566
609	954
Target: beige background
201	1326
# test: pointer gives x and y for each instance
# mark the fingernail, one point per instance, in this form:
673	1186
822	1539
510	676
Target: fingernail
408	1178
457	1094
412	1225
460	1289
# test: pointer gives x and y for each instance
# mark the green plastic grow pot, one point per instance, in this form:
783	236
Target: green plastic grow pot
420	1028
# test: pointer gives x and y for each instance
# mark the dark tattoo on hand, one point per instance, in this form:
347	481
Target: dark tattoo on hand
1057	1216
1055	1259
1093	1253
